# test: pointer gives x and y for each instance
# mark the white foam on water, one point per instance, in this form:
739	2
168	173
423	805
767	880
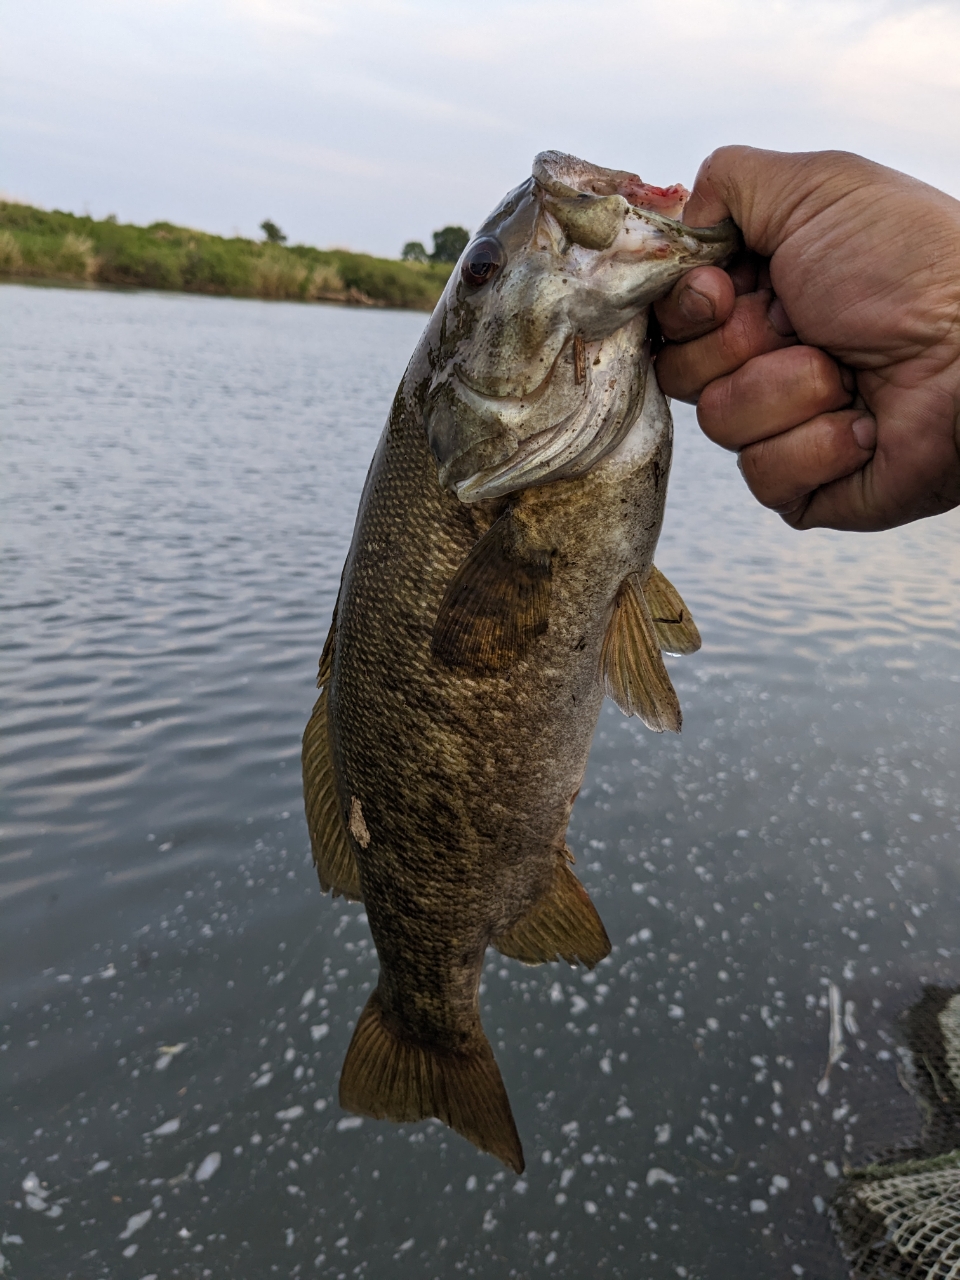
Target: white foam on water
208	1167
134	1223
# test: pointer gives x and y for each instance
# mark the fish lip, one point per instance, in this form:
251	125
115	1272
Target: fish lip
721	233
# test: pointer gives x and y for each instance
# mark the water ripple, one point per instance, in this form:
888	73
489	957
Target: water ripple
181	477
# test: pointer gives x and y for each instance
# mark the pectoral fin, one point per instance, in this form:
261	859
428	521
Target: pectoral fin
496	605
675	628
332	852
562	925
631	665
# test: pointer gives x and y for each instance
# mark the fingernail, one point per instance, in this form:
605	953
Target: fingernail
779	319
695	306
865	432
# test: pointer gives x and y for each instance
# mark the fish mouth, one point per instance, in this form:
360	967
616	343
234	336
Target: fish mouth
562	174
591	202
616	247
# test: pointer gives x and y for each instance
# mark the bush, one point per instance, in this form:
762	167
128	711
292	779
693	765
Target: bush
34	242
279	275
11	259
76	258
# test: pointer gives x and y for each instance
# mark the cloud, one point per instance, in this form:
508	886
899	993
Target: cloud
371	122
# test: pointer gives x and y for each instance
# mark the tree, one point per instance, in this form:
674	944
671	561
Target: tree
413	251
272	232
449	243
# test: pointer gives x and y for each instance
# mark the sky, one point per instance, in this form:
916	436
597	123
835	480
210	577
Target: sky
367	123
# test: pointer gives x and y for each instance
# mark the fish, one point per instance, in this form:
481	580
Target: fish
499	583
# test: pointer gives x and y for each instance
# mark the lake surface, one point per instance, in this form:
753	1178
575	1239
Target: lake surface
180	479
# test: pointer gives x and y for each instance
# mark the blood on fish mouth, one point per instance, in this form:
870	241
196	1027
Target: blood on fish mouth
666	200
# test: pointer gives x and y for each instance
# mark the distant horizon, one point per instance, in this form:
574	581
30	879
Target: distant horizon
370	123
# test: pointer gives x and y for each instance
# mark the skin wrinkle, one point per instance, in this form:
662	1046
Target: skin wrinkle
803	372
782	485
746	333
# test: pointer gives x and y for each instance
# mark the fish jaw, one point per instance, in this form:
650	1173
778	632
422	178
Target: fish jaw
523	372
565	176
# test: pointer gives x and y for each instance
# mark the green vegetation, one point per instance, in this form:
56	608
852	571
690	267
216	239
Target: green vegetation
272	233
448	244
62	246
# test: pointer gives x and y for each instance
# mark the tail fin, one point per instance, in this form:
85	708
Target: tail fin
388	1078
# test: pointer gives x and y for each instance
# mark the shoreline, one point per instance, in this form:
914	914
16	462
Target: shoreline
99	286
69	251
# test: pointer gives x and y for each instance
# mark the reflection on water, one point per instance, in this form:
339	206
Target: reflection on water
181	477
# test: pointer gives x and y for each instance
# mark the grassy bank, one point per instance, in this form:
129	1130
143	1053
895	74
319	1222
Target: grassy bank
62	246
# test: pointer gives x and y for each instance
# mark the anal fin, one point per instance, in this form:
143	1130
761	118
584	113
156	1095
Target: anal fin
496	604
632	669
562	925
675	628
332	852
388	1077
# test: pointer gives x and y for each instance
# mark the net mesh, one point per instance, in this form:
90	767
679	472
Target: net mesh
900	1218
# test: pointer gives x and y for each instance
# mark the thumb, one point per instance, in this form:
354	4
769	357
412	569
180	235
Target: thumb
770	193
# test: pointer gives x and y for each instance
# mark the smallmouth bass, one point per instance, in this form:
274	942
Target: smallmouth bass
500	581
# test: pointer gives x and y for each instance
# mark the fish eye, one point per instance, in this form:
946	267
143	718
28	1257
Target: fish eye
484	259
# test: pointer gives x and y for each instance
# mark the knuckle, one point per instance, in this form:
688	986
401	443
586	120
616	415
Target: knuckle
744	335
822	377
674	374
711	409
756	468
737	337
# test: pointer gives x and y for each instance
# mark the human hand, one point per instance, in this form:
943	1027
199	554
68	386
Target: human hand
828	357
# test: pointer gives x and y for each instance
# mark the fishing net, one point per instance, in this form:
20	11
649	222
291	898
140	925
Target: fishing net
899	1218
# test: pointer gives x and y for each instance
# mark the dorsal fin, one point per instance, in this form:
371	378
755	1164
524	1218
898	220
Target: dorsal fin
632	668
332	852
562	925
675	628
496	605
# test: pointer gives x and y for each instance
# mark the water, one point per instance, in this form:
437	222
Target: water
181	476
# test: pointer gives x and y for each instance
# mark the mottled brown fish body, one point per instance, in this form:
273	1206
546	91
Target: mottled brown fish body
463	679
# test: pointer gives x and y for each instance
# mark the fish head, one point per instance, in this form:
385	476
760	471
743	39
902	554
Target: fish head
537	367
